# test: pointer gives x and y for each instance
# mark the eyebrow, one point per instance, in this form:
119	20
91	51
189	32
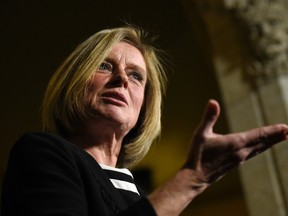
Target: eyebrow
139	68
129	65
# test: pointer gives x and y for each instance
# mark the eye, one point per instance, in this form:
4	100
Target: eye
136	76
106	66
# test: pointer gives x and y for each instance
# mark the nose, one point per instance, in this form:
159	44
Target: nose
119	79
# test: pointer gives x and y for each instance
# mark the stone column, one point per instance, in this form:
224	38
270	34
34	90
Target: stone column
248	41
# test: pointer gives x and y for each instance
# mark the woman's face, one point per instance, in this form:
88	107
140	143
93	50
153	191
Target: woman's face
116	91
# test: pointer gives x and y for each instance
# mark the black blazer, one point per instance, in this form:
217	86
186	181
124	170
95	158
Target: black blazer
47	175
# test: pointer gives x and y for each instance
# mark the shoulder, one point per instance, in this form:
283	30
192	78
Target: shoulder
41	146
37	147
41	137
43	167
40	140
44	155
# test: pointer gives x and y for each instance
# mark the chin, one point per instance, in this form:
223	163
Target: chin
117	115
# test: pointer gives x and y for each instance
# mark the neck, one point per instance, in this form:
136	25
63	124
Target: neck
103	142
105	153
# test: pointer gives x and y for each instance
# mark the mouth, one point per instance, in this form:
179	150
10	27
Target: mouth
115	98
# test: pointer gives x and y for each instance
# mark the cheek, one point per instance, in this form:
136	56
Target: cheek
97	81
92	90
138	99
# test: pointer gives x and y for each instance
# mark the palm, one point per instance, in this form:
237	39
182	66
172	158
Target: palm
212	155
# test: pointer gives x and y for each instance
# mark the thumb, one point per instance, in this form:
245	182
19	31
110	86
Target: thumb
210	117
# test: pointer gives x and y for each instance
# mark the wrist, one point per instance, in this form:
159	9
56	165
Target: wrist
174	196
192	180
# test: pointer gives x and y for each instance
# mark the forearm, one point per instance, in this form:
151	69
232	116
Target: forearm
174	196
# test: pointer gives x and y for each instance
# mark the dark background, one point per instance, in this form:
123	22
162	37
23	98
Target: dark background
36	36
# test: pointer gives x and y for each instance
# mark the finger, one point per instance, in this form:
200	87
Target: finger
210	117
206	125
261	139
268	135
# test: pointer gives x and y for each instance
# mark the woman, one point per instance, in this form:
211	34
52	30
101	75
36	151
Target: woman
101	112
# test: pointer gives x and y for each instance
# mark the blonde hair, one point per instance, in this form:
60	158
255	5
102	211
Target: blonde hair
63	104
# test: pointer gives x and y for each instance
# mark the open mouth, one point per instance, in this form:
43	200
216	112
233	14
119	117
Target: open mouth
114	97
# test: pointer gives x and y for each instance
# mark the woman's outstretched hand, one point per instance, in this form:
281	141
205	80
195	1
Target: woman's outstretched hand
212	155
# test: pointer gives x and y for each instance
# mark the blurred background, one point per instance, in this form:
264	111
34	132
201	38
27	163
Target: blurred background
36	36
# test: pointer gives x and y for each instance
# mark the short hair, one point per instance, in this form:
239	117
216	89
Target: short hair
63	105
